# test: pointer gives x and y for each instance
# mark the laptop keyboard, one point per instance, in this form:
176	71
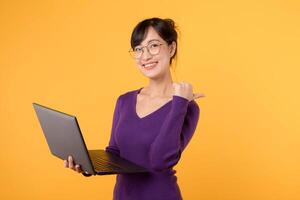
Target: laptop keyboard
103	165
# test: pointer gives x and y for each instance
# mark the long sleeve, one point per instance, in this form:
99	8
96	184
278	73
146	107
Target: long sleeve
175	133
113	146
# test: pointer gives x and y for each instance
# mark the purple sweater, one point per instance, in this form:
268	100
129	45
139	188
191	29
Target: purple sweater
155	142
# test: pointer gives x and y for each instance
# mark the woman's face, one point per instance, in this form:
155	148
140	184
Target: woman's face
154	66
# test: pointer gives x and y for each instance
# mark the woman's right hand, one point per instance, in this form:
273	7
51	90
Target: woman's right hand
70	164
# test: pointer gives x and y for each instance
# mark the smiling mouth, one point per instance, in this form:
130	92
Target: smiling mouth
149	65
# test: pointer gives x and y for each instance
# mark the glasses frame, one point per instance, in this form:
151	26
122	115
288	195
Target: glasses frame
132	52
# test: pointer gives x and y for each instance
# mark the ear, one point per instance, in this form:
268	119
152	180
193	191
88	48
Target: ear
172	49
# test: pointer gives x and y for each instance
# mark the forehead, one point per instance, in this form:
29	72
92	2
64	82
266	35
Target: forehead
151	35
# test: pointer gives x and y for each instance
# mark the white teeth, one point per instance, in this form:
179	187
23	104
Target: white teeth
149	65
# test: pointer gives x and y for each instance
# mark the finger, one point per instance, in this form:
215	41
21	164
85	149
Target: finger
71	164
186	86
65	163
176	84
198	95
78	169
185	83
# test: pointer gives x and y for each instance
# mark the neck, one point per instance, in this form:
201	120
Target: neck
160	87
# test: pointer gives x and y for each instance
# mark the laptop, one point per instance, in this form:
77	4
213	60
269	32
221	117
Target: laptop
64	138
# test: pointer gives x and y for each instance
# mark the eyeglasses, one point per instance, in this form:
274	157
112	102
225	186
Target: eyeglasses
153	48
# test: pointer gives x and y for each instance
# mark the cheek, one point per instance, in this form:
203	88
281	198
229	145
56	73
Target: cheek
164	60
138	62
164	56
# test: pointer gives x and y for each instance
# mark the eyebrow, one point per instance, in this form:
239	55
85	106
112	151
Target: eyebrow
150	41
153	40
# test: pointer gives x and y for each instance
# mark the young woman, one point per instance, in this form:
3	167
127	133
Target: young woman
153	124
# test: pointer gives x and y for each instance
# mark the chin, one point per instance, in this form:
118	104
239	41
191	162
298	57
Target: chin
153	73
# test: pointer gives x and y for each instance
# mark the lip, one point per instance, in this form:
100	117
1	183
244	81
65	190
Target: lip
149	67
143	64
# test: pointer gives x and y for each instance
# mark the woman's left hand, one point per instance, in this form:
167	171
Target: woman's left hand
185	90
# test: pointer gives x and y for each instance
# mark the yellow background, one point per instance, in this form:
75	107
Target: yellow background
73	56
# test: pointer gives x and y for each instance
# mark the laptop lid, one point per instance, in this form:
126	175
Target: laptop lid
63	136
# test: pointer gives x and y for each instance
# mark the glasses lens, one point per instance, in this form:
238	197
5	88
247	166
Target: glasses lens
138	52
154	48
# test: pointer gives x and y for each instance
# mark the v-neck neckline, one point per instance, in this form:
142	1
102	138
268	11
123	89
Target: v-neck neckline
150	114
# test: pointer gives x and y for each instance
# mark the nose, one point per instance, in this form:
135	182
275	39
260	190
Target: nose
146	55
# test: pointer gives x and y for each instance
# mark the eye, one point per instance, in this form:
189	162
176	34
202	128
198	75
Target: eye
138	49
154	45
